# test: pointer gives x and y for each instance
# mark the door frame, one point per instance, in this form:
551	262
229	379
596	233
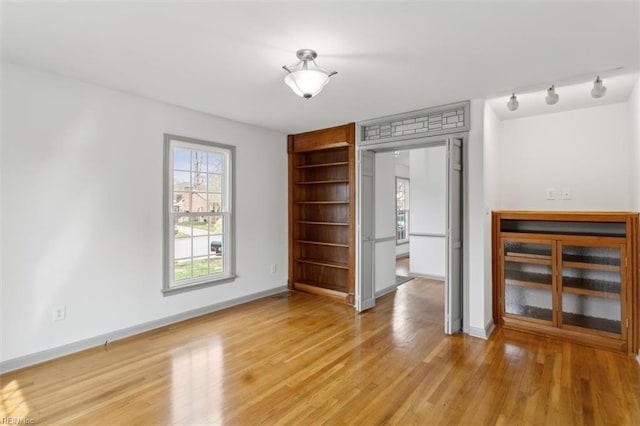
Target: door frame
404	144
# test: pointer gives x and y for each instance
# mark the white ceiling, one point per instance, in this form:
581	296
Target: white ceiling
225	58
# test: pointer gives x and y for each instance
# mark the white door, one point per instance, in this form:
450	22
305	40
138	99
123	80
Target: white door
453	283
365	288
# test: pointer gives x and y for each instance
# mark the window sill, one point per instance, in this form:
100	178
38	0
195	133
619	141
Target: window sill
189	287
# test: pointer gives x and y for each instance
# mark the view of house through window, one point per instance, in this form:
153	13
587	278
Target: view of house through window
402	210
199	246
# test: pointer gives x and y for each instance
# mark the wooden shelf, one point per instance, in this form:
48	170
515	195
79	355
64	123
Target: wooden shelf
587	287
319	243
322	182
320	289
588	292
533	260
323	263
528	277
308	222
529	284
596	260
528	255
592	266
534	312
311	166
591	323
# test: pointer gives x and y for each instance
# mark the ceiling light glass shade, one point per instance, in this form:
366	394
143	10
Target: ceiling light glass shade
552	97
513	103
598	90
306	78
306	83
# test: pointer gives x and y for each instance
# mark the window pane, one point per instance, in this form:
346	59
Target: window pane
215	202
198	162
182	239
216	163
402	209
215	225
199	181
180	200
215	264
196	202
182	269
200	244
181	180
200	266
181	159
214	182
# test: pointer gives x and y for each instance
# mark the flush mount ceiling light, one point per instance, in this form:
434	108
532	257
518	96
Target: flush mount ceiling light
513	103
598	90
306	81
552	97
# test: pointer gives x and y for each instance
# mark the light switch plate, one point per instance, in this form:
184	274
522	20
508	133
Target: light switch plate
551	194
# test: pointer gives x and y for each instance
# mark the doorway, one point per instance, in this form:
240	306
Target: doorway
434	229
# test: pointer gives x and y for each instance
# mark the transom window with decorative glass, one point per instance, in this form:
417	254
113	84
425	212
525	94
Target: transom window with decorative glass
198	214
402	210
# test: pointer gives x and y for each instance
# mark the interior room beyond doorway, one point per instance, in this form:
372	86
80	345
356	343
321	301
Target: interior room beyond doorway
420	211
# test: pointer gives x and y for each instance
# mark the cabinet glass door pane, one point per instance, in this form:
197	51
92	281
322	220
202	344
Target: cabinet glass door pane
528	280
591	286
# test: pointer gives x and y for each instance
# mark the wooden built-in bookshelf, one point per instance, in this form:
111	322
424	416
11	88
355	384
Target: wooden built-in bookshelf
321	212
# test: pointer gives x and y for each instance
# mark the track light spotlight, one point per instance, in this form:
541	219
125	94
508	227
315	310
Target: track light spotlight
598	90
552	97
513	103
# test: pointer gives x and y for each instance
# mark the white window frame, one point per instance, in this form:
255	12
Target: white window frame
406	210
170	285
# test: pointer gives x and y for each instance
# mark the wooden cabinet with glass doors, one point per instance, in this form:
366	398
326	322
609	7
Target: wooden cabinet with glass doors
568	275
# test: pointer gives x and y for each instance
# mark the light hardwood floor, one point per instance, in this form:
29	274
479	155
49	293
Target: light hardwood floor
402	266
301	359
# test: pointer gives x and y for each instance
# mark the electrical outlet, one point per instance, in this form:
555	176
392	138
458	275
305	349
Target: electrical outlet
551	194
59	312
273	268
566	194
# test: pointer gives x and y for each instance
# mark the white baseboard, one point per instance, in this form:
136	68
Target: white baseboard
387	290
427	276
482	333
49	354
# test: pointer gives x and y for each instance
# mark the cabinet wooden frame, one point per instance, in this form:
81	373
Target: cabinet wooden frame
626	246
322	212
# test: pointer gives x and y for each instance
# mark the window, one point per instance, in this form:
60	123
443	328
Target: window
402	210
198	214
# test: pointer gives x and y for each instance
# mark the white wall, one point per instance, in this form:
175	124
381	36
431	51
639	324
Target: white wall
477	300
82	212
385	222
634	158
585	150
402	170
492	179
427	211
